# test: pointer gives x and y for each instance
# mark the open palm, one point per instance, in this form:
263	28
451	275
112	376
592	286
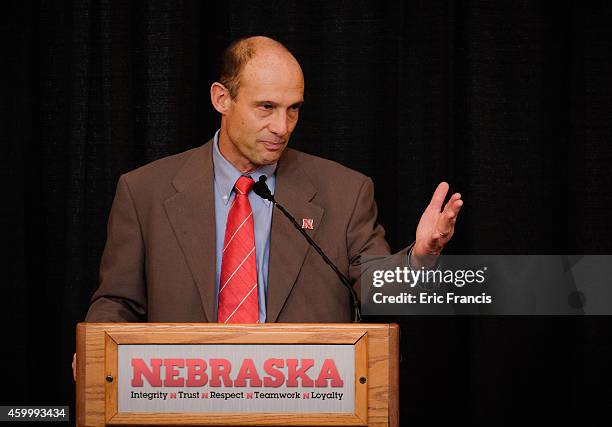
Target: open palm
436	226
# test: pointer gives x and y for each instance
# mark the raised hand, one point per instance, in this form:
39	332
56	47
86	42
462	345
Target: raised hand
436	227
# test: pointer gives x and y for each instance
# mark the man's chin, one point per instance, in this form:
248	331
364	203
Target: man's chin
271	157
268	160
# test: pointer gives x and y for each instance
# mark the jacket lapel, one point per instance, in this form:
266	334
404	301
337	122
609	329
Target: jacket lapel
288	248
192	214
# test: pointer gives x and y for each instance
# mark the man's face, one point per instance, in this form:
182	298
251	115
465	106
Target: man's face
261	118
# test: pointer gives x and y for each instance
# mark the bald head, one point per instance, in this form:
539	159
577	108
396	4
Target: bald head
258	51
259	95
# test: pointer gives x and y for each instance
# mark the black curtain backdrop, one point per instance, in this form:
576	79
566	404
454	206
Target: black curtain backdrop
509	101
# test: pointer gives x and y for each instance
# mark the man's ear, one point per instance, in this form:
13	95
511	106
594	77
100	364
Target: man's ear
220	97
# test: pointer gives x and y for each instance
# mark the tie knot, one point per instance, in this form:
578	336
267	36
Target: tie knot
244	185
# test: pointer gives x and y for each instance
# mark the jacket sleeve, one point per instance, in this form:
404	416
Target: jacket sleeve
121	296
366	243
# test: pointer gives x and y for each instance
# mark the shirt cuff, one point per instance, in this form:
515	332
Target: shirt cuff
436	267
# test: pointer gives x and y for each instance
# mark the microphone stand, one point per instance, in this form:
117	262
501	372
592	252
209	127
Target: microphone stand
262	190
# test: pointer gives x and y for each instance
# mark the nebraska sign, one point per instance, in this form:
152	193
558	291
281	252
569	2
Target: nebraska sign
236	378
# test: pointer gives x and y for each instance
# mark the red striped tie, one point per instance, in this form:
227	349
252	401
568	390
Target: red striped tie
238	296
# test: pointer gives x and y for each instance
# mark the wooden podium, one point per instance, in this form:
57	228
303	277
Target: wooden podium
237	375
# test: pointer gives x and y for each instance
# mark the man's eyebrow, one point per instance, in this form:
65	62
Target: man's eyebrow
266	103
275	104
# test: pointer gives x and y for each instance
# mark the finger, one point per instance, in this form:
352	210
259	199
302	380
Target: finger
446	222
454	206
439	195
452	202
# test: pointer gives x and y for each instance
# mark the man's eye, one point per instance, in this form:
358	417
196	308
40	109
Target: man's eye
267	106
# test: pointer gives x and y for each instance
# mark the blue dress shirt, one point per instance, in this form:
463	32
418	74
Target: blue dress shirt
226	176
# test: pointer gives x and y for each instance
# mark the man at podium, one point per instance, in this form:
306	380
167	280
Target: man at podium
190	241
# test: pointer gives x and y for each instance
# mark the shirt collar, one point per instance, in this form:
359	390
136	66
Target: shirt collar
226	174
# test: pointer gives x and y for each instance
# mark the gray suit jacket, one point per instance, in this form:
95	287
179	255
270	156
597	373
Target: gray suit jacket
159	260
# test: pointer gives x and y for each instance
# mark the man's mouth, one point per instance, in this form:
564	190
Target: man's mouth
272	146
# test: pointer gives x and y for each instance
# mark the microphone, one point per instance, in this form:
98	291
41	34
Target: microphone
262	190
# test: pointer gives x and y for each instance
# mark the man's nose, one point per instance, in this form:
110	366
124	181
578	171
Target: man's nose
279	126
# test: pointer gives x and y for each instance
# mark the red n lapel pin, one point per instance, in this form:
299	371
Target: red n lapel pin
308	223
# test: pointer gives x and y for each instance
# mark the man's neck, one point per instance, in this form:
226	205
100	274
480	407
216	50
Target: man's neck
229	152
